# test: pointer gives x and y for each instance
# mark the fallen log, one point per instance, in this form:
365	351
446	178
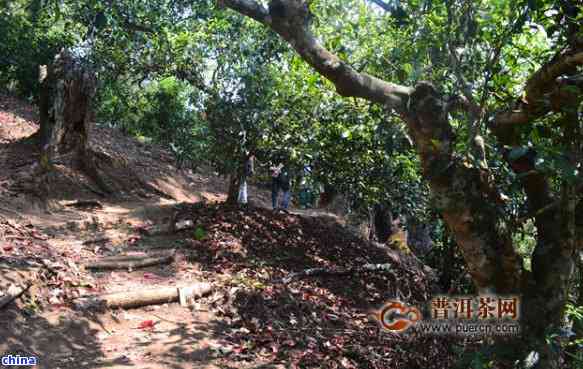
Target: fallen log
129	262
13	293
134	299
335	272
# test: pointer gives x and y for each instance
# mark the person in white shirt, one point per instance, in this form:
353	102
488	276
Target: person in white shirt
247	172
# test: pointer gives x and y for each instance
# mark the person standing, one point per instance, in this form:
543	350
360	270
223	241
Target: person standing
275	171
248	171
285	185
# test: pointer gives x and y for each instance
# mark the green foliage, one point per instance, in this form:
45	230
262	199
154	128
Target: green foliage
162	111
574	313
28	39
211	85
199	233
165	111
358	153
480	359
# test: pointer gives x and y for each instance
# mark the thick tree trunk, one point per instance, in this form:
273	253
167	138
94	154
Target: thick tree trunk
383	222
235	182
546	289
67	90
464	193
233	191
328	196
419	239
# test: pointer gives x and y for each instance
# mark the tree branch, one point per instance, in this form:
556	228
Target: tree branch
539	89
542	81
552	206
291	20
458	189
249	8
337	272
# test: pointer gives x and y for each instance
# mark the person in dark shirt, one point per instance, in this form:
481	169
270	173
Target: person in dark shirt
285	185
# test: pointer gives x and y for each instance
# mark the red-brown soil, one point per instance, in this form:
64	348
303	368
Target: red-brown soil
251	319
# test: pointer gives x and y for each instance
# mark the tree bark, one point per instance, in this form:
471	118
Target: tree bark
463	193
235	181
67	90
328	196
134	299
546	288
129	263
383	222
68	86
233	191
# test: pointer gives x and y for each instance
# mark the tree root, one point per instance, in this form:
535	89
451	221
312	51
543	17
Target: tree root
88	163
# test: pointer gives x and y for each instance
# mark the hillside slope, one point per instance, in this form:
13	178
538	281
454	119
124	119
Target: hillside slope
265	310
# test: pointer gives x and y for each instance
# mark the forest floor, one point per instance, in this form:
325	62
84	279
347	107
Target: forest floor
251	319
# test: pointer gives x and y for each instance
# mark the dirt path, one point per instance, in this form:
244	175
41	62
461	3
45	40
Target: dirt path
65	338
251	319
43	323
163	336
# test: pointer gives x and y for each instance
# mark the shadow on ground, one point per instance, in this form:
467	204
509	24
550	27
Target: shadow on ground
60	343
321	321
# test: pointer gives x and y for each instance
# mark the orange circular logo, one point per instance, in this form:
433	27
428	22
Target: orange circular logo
398	317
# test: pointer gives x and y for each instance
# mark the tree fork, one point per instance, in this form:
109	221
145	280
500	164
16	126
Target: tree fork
468	201
461	190
465	196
